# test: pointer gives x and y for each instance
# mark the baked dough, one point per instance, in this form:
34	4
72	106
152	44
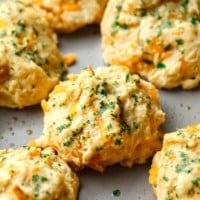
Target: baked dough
70	15
32	173
30	62
174	173
101	117
157	39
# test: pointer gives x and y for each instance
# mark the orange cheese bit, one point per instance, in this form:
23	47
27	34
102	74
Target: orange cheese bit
193	128
184	67
153	92
153	172
2	24
34	153
32	143
70	7
4	70
45	106
70	59
154	46
19	193
31	41
94	163
165	54
59	89
103	130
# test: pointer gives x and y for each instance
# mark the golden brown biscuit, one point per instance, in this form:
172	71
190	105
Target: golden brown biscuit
102	117
174	173
32	173
30	62
157	39
70	15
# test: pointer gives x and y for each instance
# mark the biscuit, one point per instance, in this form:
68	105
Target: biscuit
70	15
30	62
157	39
174	173
101	117
32	173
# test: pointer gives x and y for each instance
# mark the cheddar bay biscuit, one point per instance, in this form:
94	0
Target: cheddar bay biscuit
32	173
69	15
101	117
30	62
157	39
174	173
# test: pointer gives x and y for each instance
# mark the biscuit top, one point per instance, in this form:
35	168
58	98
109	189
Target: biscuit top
30	61
25	36
32	173
103	116
70	15
158	39
175	169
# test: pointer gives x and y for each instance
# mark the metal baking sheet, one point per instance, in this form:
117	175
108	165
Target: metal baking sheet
17	127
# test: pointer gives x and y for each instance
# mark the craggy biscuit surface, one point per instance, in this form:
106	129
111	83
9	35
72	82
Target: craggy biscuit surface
32	173
157	39
69	15
30	62
174	173
102	117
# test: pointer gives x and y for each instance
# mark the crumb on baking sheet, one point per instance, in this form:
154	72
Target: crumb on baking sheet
70	59
23	122
11	145
188	107
14	118
29	131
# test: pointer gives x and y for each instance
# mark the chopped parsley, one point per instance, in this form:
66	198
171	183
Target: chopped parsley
196	181
160	65
116	25
60	128
118	142
165	178
167	24
116	193
185	5
118	7
179	41
143	13
194	20
127	77
68	143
